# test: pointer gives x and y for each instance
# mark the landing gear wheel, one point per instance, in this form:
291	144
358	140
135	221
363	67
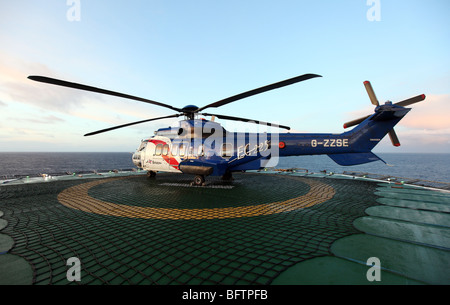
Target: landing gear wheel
151	174
199	180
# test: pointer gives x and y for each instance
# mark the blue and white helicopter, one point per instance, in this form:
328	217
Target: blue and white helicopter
203	147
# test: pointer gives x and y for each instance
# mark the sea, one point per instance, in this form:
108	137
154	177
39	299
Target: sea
431	167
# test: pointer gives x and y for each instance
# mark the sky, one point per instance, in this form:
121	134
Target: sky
198	52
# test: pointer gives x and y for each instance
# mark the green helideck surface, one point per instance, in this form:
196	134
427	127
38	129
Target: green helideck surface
407	229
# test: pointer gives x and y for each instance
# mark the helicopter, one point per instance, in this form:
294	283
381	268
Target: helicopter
204	148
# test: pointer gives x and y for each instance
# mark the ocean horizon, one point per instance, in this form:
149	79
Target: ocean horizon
425	166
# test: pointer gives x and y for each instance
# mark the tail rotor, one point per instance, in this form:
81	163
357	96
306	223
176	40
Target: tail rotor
373	99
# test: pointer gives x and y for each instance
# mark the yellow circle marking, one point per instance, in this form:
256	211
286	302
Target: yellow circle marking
77	197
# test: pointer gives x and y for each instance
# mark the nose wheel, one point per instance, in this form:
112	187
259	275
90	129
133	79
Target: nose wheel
199	180
151	174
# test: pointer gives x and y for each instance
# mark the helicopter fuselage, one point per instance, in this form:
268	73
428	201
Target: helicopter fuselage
202	147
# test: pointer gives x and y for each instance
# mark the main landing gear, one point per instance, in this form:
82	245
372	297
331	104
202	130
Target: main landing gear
227	177
199	180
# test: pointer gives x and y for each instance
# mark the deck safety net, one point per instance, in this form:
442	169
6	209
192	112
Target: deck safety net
244	232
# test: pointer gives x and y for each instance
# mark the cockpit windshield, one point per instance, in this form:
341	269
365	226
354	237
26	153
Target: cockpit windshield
143	145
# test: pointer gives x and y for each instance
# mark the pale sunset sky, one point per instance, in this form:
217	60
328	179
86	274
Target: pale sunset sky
198	52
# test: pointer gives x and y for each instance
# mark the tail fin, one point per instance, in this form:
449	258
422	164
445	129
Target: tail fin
364	137
374	101
373	128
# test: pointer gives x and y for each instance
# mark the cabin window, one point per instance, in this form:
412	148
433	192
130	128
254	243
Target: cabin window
175	150
191	151
158	149
182	150
227	150
165	150
200	150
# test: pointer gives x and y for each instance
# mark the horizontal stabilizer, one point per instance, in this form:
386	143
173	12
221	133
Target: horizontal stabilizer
354	158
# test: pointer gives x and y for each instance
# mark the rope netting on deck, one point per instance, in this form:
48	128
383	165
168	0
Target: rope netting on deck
124	230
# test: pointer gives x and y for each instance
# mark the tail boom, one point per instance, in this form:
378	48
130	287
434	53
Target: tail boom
349	148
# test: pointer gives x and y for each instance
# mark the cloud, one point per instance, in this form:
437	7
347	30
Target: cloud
426	128
50	119
427	136
15	84
24	134
431	114
16	87
427	125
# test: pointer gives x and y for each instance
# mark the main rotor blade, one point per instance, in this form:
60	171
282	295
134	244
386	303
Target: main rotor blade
232	118
63	83
129	124
260	90
412	100
371	93
394	138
